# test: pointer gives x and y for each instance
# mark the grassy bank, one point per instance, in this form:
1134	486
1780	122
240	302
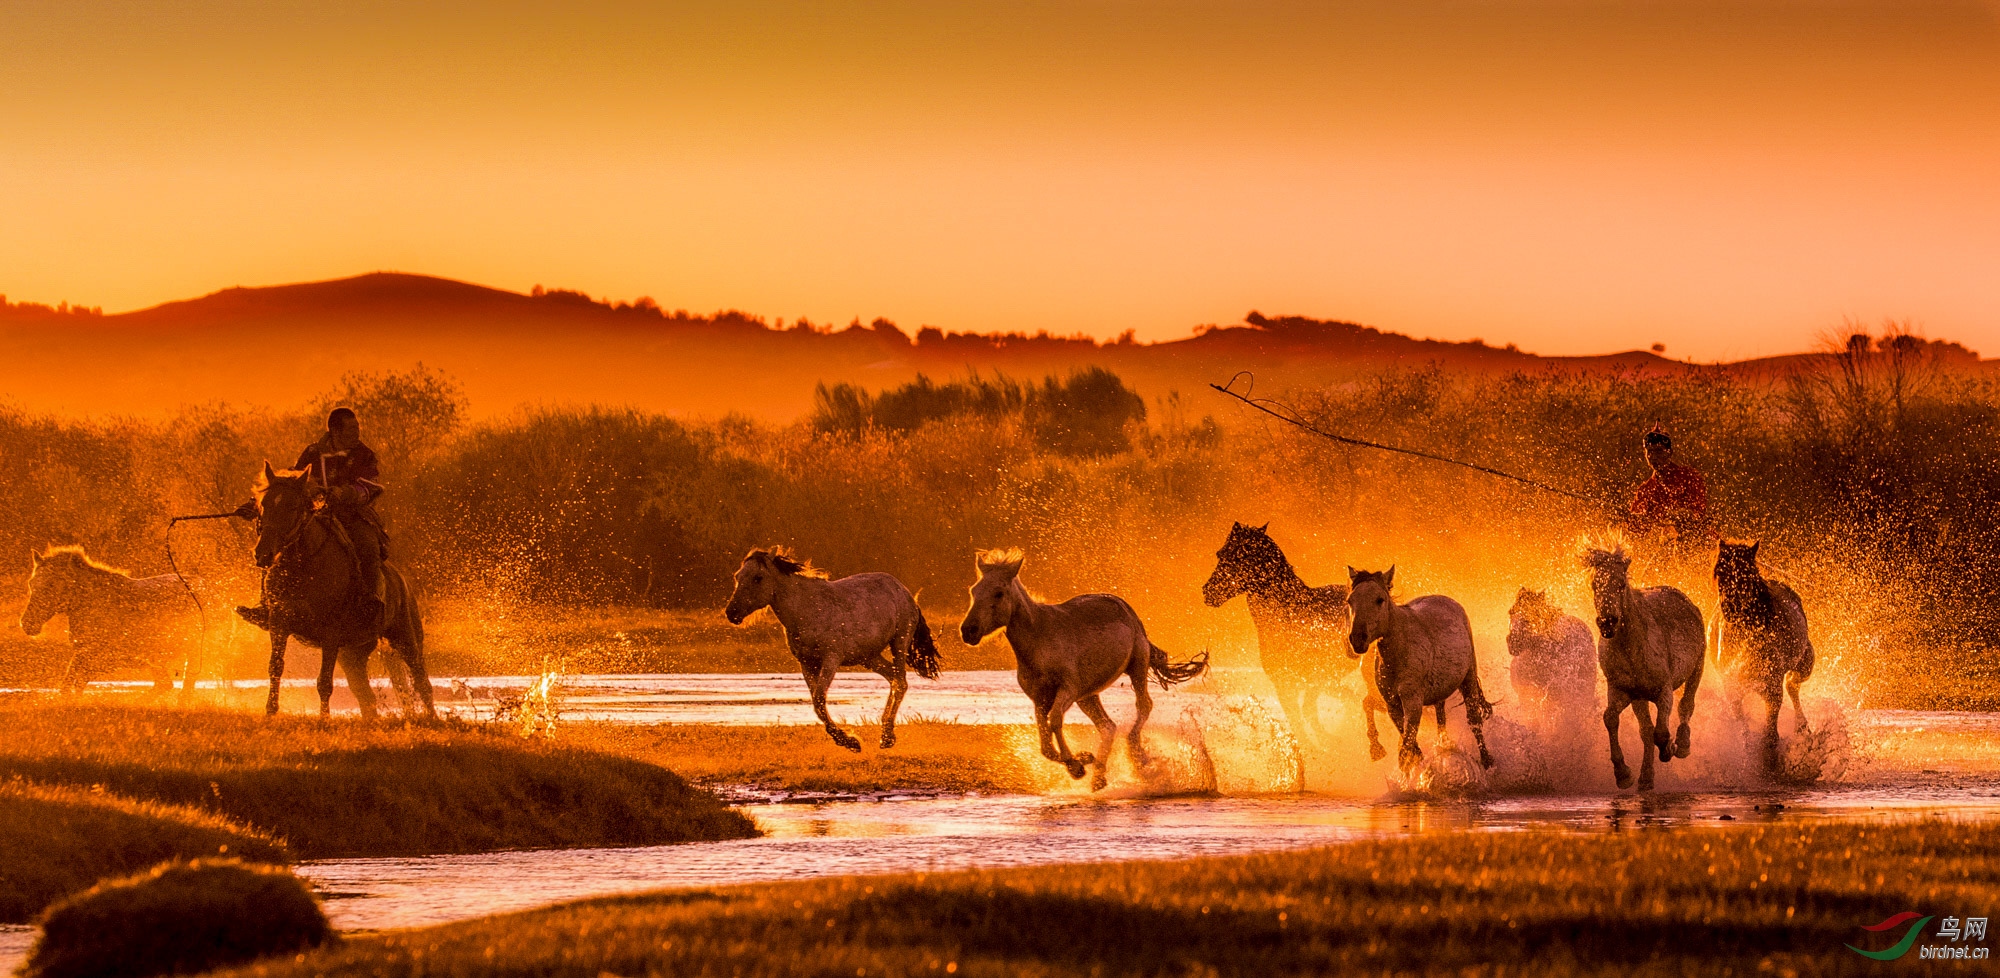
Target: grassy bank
1777	899
348	788
56	841
928	757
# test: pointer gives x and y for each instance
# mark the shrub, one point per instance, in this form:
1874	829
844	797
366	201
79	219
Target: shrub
178	918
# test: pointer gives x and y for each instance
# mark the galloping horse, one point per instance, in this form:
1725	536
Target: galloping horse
1301	630
113	616
1555	658
1651	643
1763	646
314	589
1066	654
1426	656
829	624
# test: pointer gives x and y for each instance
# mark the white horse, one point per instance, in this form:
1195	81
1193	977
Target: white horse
1066	654
113	617
1651	643
1763	646
829	624
1426	655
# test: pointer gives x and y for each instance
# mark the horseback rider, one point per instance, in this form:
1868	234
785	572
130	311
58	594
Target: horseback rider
1672	506
345	470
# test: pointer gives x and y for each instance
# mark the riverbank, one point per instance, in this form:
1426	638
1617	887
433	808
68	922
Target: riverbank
1777	898
345	787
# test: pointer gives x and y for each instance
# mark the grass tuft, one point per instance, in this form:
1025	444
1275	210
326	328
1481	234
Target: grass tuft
178	918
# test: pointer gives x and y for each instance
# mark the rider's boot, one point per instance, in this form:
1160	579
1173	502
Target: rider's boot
259	616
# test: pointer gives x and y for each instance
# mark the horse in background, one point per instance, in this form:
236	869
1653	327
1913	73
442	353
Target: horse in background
1066	654
114	618
829	624
313	589
1426	655
1301	630
1652	643
1555	657
1762	646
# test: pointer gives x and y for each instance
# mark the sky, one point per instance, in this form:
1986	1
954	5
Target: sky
1730	179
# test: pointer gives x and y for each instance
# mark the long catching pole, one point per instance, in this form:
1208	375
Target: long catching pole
1287	415
200	610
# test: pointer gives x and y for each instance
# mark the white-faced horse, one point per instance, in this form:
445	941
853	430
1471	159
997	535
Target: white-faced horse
828	624
1426	655
1650	644
113	617
1066	654
1763	647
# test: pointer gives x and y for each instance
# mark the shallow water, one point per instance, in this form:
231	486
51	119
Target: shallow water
1875	764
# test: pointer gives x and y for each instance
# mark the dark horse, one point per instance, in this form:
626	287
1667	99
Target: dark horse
313	589
1301	629
1763	647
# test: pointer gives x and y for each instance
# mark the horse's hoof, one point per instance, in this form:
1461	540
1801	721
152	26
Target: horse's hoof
1376	752
1666	753
1075	770
1624	779
888	741
850	743
1098	781
1645	786
1682	749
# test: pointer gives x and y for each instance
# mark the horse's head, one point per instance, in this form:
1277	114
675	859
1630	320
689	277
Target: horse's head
1370	603
757	581
48	592
284	504
1609	584
993	595
1735	566
1240	564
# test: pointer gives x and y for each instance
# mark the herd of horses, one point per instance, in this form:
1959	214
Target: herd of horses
1413	655
1651	644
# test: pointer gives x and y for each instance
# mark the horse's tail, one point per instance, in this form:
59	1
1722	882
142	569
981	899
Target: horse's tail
923	649
1168	674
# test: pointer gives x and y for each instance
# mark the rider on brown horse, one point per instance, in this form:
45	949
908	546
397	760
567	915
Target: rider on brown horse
345	470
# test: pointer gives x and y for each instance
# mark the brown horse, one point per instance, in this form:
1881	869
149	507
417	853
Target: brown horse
1763	646
313	589
1301	630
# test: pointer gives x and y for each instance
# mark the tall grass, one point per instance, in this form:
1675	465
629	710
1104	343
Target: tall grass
1873	476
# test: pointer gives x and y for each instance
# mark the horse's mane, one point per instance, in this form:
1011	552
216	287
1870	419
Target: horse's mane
1001	558
74	556
1605	553
1259	542
783	559
1379	577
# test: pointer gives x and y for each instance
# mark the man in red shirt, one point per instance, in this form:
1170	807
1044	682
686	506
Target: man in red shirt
1673	504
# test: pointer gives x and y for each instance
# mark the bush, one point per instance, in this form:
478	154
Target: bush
178	918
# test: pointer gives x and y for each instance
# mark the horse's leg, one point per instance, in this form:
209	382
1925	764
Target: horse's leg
1142	700
278	640
819	681
1107	731
1661	738
1792	681
1684	736
1058	709
899	683
1774	697
1371	704
1616	703
1642	711
1444	730
327	657
1476	710
1410	720
353	662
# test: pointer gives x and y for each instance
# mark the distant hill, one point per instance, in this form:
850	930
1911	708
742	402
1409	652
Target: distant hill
281	344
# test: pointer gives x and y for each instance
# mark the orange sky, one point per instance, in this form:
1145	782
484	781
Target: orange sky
1729	178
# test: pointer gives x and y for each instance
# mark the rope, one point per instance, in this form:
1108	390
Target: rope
200	609
1287	414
